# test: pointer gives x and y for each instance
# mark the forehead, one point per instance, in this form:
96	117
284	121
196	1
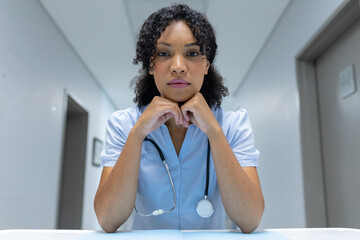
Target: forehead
177	31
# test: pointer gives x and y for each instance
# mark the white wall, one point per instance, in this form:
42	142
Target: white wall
270	95
36	65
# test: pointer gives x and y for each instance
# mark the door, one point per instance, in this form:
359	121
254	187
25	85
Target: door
73	167
340	128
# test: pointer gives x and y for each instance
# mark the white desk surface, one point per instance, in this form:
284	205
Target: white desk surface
290	233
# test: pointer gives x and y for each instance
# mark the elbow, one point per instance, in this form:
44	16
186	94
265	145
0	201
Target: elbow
108	223
103	219
108	229
105	224
248	230
109	219
252	225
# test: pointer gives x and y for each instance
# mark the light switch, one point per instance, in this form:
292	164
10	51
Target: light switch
347	81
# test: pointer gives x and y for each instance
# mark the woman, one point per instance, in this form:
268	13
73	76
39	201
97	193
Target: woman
210	153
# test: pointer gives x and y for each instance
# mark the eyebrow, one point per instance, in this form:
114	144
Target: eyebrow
186	45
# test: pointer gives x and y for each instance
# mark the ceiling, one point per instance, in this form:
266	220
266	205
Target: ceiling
103	34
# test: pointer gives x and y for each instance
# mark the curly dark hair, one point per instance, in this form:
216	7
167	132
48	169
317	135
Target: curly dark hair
213	88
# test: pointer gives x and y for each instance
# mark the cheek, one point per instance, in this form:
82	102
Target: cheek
199	68
160	68
160	72
198	73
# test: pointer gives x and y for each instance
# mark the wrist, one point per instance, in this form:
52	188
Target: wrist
137	133
213	132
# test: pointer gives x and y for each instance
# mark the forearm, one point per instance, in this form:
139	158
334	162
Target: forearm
242	199
115	198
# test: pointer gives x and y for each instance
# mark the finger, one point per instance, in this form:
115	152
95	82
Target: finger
177	114
185	113
175	106
164	102
164	118
186	124
179	118
170	109
168	116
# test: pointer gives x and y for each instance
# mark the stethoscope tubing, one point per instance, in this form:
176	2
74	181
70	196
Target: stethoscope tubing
207	171
161	211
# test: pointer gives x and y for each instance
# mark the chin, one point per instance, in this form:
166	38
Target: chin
180	101
177	99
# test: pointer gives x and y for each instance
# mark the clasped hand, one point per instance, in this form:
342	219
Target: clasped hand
195	110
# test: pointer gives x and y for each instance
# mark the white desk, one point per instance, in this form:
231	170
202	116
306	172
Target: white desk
319	233
291	234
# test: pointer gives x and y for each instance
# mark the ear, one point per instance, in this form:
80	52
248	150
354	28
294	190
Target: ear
207	67
151	68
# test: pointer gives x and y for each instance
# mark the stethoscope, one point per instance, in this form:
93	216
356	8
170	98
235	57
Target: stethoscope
204	208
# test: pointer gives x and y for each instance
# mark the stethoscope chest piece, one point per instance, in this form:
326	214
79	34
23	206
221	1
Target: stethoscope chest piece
205	208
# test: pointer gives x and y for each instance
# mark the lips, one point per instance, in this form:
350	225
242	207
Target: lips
178	83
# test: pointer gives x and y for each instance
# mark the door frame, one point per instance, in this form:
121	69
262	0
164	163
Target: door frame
311	147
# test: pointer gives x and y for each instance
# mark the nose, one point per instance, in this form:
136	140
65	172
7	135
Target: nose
178	64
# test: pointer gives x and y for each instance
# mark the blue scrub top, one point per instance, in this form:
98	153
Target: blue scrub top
188	169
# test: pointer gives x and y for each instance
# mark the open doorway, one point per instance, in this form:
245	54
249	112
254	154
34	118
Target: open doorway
73	166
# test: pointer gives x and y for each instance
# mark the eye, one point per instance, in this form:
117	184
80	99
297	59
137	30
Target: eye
193	54
162	54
